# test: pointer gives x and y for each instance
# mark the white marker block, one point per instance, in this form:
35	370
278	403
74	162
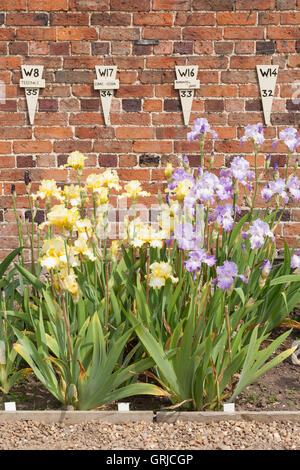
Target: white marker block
186	82
296	353
267	78
123	406
10	406
106	82
32	81
228	408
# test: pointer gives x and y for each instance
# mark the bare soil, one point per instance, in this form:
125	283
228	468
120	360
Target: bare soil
277	390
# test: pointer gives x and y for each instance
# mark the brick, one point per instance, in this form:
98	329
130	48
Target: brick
60	48
18	48
83	63
203	47
90	104
9	106
47	5
78	119
15	133
69	19
294	61
7	5
171	4
131	105
172	105
130	5
149	160
286	46
39	48
135	133
223	47
215	5
236	18
142	49
120	34
239	32
244	47
108	161
183	48
255	5
247	62
62	76
91	5
214	106
153	19
32	147
161	33
283	32
25	161
111	19
290	18
136	91
76	34
267	17
285	4
81	47
194	19
36	34
265	47
152	147
164	62
27	19
48	105
95	133
53	132
112	146
10	63
202	33
127	161
218	91
152	105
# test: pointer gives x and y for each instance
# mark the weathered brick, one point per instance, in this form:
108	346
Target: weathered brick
183	48
131	105
69	19
171	4
77	34
218	5
285	4
27	19
236	18
36	34
111	19
130	5
47	5
91	5
265	47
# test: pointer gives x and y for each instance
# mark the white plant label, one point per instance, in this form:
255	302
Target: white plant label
10	406
296	353
123	406
267	77
2	353
186	82
106	82
32	81
228	408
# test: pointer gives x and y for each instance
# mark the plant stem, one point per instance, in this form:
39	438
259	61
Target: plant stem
67	326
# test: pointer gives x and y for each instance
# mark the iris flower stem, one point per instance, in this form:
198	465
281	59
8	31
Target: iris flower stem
67	326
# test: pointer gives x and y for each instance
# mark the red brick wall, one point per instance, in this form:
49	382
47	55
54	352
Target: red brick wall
69	37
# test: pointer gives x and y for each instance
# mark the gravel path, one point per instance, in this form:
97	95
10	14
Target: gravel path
224	435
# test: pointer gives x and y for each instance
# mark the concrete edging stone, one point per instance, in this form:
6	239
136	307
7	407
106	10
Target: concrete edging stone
118	417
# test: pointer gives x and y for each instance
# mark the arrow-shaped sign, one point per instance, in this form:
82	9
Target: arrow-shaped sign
186	83
106	82
32	81
267	77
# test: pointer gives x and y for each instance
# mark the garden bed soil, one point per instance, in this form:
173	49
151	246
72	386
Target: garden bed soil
277	390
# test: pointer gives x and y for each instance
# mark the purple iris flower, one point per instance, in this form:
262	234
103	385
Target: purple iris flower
259	231
179	175
196	258
290	137
240	170
186	236
254	133
226	275
200	128
295	261
293	186
223	216
275	187
265	268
